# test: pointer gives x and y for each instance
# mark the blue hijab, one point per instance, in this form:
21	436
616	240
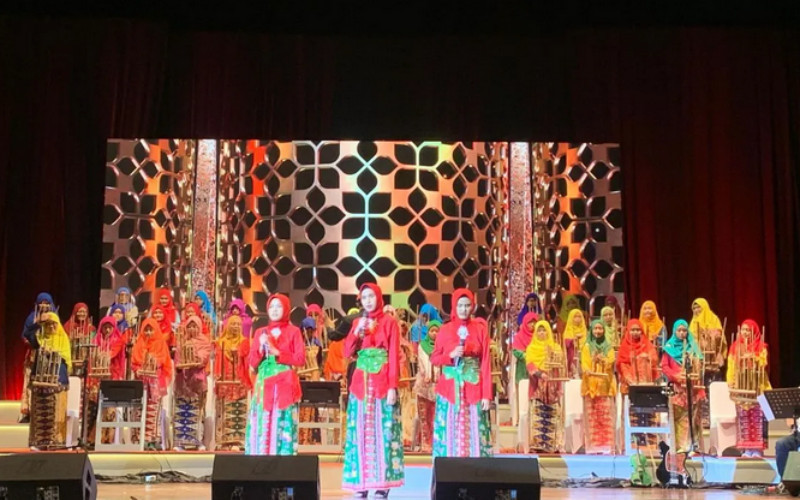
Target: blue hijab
30	321
675	346
122	326
131	302
419	331
207	307
536	308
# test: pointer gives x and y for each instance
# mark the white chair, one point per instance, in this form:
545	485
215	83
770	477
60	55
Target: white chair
573	416
723	417
74	411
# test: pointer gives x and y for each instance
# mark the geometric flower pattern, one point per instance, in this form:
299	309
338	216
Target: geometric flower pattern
146	218
315	220
578	217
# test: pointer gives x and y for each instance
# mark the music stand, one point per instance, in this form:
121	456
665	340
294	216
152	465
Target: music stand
644	399
781	403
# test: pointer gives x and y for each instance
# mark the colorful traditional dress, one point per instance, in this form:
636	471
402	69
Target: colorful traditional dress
29	331
707	330
425	389
654	327
191	385
672	365
461	427
208	309
574	338
232	383
405	393
419	330
373	453
637	364
164	325
48	429
106	362
170	311
80	332
546	414
598	388
151	363
272	426
747	359
519	344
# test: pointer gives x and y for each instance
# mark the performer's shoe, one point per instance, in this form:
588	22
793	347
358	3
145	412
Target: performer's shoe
382	494
24	419
361	494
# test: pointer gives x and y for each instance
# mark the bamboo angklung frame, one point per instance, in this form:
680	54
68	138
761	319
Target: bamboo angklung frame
48	364
748	373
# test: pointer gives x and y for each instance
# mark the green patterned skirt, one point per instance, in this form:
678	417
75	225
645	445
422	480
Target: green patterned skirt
461	432
270	431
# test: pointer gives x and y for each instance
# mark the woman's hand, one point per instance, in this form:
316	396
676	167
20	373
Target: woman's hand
485	404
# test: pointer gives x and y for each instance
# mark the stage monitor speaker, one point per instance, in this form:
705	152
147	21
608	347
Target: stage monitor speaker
485	478
37	476
244	477
791	475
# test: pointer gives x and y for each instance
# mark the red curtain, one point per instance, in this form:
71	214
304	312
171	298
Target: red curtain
707	118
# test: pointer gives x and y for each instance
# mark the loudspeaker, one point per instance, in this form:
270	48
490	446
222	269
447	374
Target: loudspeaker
791	475
36	476
245	477
486	478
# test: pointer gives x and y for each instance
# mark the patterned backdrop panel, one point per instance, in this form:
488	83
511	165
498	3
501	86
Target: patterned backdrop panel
578	218
315	220
147	217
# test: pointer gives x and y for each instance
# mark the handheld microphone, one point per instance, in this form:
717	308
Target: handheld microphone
462	338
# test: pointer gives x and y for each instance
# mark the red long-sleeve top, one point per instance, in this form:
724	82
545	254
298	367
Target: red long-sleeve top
383	333
476	345
284	386
673	370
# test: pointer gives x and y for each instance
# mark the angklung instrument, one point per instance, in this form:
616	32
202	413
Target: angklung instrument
749	373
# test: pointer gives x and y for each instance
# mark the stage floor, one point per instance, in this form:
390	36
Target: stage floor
203	491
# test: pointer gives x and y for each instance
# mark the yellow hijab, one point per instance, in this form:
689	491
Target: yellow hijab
651	327
57	341
573	331
536	352
706	320
229	340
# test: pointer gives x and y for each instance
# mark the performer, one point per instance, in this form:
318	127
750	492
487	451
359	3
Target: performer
311	371
707	331
373	454
425	388
520	345
238	308
193	310
232	382
568	304
125	299
678	349
637	364
419	329
548	369
164	297
272	426
408	371
80	330
532	304
106	362
49	383
32	327
151	363
612	326
654	328
599	388
464	390
747	371
159	314
202	300
574	338
324	324
193	352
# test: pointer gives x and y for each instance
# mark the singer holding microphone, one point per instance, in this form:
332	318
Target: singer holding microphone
373	452
464	390
275	349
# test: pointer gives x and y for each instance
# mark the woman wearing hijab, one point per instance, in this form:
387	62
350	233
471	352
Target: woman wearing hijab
424	388
193	310
159	314
80	331
191	384
164	299
107	362
151	363
464	389
574	338
127	302
232	382
545	416
654	328
419	329
637	364
532	305
599	388
707	331
747	357
32	327
680	347
373	454
238	308
275	350
609	319
48	411
522	338
207	308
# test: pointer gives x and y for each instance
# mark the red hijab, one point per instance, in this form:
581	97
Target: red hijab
378	311
525	333
169	310
80	327
628	349
755	345
165	325
461	292
287	309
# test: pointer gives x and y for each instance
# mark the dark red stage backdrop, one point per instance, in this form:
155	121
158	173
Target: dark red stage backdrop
708	120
